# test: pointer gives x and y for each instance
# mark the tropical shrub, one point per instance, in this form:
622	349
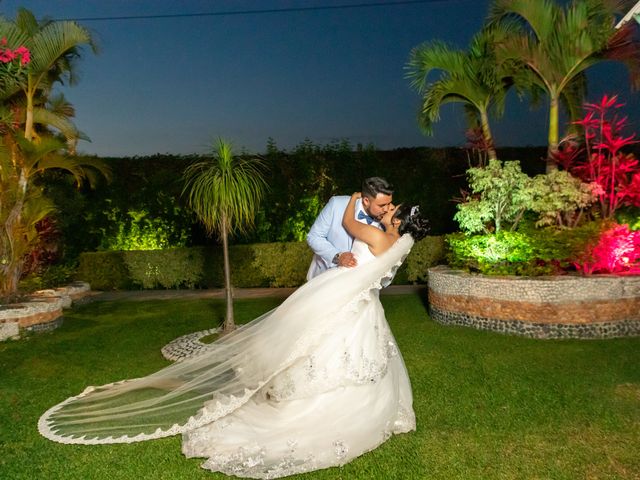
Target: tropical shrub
51	276
600	159
530	251
500	196
560	199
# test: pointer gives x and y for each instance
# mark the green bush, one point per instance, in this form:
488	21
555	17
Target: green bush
282	264
171	268
53	276
428	252
530	251
104	270
630	216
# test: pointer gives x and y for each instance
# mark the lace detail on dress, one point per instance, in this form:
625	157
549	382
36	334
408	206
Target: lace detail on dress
249	462
219	406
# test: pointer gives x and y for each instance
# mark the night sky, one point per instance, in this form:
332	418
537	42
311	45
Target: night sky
173	85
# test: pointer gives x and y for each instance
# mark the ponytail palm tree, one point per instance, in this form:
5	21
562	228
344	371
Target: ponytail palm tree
558	43
471	77
225	191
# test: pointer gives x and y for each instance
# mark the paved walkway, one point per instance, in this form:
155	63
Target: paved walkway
143	295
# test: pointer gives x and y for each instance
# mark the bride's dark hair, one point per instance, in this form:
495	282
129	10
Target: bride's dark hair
411	221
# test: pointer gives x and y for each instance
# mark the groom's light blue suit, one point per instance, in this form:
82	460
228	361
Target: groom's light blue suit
327	235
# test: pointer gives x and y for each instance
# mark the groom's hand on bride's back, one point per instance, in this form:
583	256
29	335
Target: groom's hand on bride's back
347	259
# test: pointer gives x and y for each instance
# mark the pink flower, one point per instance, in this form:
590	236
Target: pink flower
617	251
24	53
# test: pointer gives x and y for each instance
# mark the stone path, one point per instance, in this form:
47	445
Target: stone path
187	345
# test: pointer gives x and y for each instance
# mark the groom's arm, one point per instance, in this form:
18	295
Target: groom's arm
317	236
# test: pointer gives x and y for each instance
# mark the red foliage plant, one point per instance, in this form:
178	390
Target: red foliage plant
617	251
601	160
46	251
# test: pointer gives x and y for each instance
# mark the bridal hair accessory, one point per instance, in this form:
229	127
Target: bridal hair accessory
414	210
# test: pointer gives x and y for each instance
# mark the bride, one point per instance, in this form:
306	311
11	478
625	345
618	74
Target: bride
314	383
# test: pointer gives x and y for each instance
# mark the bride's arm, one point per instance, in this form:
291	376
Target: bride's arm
369	234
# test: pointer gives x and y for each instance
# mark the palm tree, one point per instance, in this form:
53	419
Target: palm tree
28	148
559	43
225	191
22	202
54	47
471	77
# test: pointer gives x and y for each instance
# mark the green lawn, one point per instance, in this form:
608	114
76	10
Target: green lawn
488	406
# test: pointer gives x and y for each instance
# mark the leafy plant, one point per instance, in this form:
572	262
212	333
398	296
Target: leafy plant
530	251
138	230
560	198
51	276
600	161
502	194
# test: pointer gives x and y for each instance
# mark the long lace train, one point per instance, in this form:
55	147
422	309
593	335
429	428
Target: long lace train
314	383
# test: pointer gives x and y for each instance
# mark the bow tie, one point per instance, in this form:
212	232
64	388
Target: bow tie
364	216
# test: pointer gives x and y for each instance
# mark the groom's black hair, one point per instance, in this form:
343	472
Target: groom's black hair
372	186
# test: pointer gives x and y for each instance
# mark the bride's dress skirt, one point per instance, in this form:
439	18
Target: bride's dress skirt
350	394
312	384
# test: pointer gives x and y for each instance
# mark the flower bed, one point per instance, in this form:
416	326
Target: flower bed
600	306
42	312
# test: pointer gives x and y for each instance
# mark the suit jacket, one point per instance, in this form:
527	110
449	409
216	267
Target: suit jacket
327	235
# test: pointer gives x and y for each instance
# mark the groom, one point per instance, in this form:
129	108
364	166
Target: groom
329	240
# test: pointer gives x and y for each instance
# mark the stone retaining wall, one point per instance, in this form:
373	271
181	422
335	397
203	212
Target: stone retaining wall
600	306
42	311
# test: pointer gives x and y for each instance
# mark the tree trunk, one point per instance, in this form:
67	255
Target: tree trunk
12	269
553	133
488	137
229	324
28	124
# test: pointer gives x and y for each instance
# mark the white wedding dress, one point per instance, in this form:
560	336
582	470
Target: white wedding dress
312	384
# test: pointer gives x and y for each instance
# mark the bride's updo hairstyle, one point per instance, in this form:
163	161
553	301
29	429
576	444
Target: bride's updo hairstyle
411	221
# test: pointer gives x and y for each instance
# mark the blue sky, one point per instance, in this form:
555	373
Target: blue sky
173	85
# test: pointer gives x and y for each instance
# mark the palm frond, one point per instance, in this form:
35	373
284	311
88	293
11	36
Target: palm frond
14	35
27	22
433	56
60	122
225	187
624	46
53	41
538	17
573	97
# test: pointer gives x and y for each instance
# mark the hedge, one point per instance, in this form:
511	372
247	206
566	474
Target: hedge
255	265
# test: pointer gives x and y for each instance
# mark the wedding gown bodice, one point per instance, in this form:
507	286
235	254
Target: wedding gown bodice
362	252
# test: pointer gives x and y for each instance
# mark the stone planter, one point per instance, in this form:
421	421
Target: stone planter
598	306
41	312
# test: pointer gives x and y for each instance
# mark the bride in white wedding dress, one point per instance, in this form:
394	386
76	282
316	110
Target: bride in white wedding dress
312	384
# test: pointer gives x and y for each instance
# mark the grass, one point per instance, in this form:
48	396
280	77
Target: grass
488	406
